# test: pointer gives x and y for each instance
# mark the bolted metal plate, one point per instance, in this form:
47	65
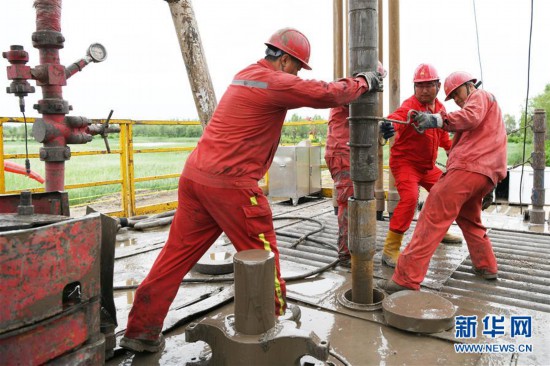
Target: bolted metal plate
418	311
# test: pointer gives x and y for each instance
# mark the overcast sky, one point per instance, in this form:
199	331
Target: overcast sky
144	76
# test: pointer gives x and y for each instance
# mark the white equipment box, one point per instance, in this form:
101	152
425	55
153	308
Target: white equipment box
526	188
295	172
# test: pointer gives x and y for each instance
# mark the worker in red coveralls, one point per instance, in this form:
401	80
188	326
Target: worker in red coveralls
412	158
337	157
477	162
218	189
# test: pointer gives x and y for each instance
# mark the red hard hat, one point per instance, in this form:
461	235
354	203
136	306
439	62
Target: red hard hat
455	80
293	42
425	72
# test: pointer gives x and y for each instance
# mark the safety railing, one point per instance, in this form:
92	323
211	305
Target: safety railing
127	153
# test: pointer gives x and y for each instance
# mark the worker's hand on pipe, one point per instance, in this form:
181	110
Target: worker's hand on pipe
374	80
427	120
387	130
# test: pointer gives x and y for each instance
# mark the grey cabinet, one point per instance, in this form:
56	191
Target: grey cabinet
295	172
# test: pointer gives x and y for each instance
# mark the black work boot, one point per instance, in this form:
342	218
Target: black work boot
485	274
390	286
142	345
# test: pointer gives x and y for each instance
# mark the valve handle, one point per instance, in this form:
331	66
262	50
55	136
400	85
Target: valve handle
105	132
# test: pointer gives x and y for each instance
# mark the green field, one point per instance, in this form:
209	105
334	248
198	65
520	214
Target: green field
84	169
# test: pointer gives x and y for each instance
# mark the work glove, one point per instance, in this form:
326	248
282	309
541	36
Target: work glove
487	201
374	80
387	130
428	120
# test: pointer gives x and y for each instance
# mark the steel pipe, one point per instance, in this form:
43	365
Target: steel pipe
394	85
338	39
379	193
363	142
48	40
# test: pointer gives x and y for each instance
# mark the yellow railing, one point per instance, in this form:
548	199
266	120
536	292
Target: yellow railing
127	166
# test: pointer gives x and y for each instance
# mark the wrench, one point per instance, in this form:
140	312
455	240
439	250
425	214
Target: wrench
409	121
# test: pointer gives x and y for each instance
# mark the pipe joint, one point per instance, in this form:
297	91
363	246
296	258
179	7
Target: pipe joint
50	75
362	230
53	106
55	153
48	39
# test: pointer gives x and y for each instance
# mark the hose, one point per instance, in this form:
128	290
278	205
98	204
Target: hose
304	237
150	223
339	357
230	279
290	278
146	222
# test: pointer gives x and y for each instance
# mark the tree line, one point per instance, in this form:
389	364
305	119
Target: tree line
515	126
291	134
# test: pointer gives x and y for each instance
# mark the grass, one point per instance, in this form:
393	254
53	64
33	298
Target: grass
85	169
94	168
515	153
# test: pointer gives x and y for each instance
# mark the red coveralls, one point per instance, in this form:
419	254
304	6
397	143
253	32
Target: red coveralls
337	159
412	161
218	189
477	162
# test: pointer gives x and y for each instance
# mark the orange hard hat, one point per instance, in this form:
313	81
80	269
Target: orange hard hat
293	42
455	80
425	72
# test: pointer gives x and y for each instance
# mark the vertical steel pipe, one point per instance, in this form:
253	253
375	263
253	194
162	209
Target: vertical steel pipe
362	245
363	130
538	162
394	82
193	56
338	62
48	40
379	193
338	39
363	56
346	39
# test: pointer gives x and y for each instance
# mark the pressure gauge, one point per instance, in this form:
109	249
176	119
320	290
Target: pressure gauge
97	52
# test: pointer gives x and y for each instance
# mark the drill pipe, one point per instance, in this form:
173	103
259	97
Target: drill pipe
362	245
363	45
